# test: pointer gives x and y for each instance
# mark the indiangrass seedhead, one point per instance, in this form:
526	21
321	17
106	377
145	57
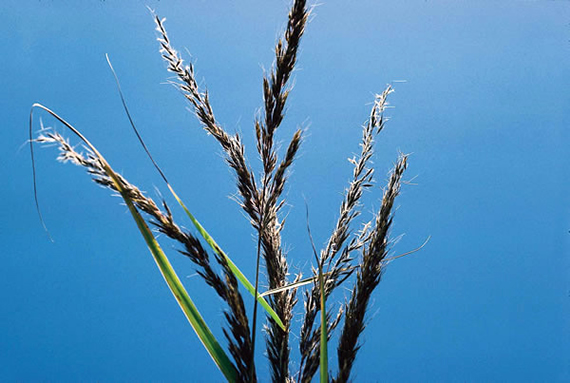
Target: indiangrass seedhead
345	253
336	254
368	275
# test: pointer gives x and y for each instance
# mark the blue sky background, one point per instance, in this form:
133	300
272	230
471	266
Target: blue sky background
484	112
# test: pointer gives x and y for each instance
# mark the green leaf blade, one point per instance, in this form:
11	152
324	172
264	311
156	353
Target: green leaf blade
235	270
323	363
183	299
181	295
233	267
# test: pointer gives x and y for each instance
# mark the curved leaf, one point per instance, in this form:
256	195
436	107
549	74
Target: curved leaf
172	280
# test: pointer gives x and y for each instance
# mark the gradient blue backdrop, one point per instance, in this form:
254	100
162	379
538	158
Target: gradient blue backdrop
484	112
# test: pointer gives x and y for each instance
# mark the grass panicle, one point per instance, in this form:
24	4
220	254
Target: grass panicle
349	258
368	276
260	202
231	144
275	93
340	268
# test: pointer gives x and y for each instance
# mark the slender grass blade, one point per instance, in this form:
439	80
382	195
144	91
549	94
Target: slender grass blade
323	354
237	272
323	364
207	237
186	304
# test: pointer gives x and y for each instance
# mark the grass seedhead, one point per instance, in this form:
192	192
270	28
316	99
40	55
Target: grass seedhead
351	258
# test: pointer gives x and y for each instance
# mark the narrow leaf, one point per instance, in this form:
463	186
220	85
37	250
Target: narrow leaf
324	364
302	282
312	279
324	358
235	270
172	280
